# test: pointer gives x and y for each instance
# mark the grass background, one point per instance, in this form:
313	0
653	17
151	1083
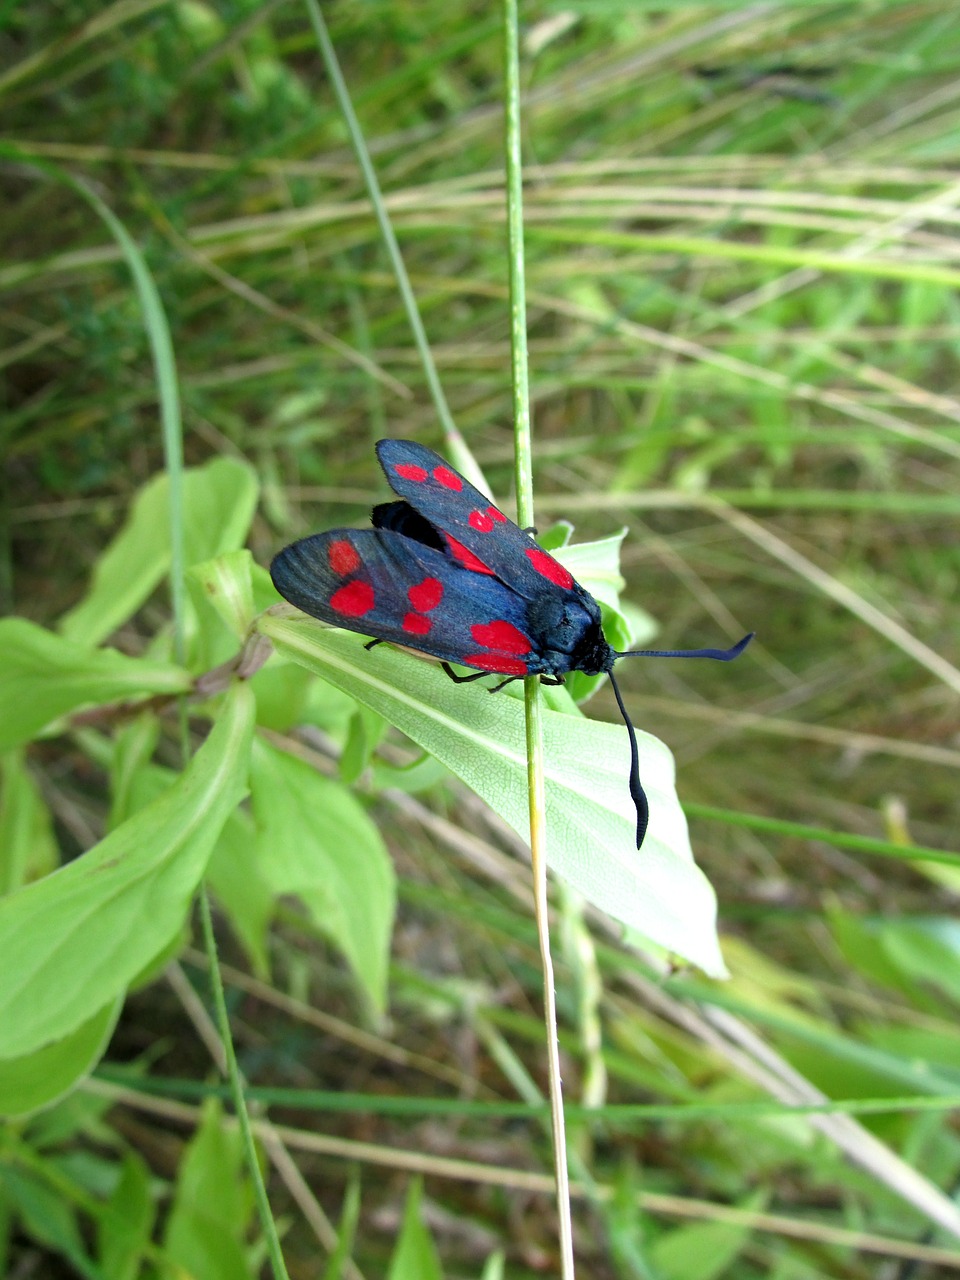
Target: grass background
741	268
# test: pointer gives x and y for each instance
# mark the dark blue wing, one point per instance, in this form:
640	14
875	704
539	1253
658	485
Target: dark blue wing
382	584
477	532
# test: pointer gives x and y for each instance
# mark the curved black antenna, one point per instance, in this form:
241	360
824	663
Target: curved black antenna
722	655
637	793
636	790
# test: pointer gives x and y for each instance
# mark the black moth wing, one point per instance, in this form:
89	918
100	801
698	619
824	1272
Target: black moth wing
453	506
382	584
562	618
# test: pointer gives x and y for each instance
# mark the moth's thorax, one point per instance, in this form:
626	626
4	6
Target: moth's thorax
567	634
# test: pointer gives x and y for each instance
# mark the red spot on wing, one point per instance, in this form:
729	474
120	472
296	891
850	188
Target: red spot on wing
465	557
480	521
449	479
494	514
353	600
500	635
550	568
342	557
491	662
415	624
426	595
410	471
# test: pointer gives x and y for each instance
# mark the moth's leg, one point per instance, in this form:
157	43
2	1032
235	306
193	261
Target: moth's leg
531	529
548	680
497	687
475	675
371	643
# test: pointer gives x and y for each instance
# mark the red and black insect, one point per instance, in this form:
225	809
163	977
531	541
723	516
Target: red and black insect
445	572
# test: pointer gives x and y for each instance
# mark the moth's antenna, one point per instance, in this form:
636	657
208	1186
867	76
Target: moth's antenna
722	655
636	790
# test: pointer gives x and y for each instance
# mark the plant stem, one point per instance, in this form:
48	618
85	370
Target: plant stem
267	1223
535	778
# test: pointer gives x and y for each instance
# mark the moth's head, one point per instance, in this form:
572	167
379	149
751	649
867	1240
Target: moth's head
565	628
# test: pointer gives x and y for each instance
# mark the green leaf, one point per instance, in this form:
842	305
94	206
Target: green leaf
212	1205
219	500
591	821
861	945
364	735
36	1079
72	942
133	746
226	583
282	690
933	1051
28	847
236	878
125	1225
46	1215
927	950
495	1267
43	677
316	841
328	708
415	1257
418	776
701	1251
233	871
347	1231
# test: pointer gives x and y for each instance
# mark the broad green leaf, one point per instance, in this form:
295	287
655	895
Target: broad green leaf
702	1250
861	943
43	677
67	1120
212	1204
418	776
46	1214
363	737
264	592
316	841
219	500
236	878
591	822
72	942
923	1048
329	708
233	871
226	583
282	690
125	1225
415	1256
36	1079
765	985
133	746
926	950
28	847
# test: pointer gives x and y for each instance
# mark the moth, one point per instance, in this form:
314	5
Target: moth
445	572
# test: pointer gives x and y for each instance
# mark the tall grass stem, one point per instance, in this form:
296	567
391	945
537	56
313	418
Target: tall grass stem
534	728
